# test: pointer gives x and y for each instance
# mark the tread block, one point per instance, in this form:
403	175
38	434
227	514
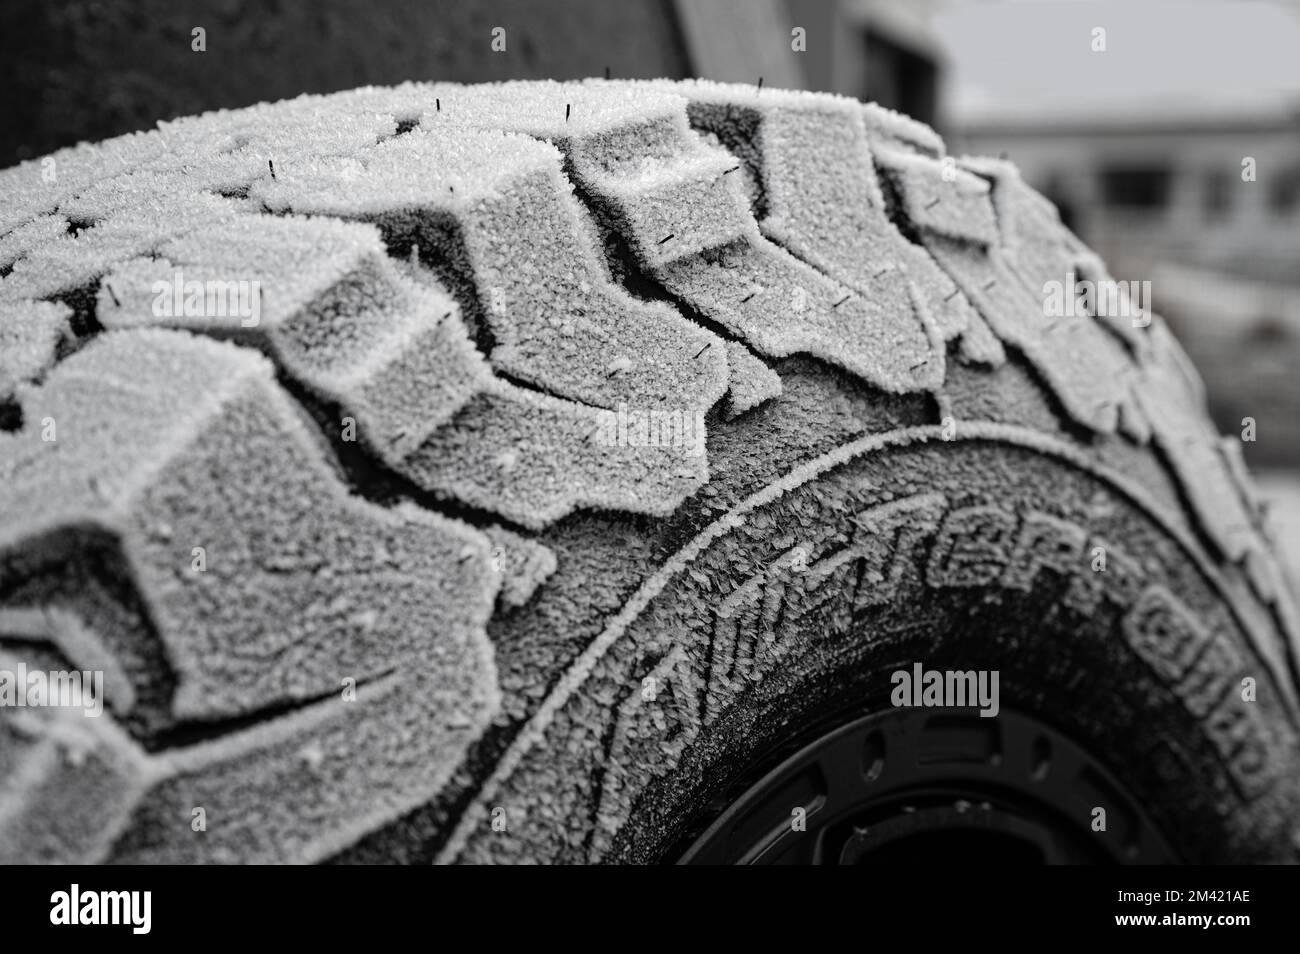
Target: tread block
300	787
296	583
980	345
534	459
891	127
639	123
294	261
502	203
524	565
72	263
63	631
221	149
670	214
325	300
339	317
141	193
945	199
1193	450
1067	352
1042	249
752	381
68	781
822	196
782	307
29	237
51	595
30	336
37	186
690	226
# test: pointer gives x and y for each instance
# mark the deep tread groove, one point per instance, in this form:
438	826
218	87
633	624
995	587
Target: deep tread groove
369	479
894	207
196	733
426	234
78	225
738	134
84	320
623	264
11	415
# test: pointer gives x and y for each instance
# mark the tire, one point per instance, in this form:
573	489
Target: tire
537	466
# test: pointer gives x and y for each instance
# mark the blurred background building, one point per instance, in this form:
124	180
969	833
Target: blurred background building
1137	117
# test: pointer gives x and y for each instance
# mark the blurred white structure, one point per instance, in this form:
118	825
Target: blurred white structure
1168	188
1165	132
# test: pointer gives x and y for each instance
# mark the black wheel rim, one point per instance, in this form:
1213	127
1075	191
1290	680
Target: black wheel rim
913	786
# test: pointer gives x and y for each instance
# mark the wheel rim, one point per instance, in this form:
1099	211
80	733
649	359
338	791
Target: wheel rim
912	786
